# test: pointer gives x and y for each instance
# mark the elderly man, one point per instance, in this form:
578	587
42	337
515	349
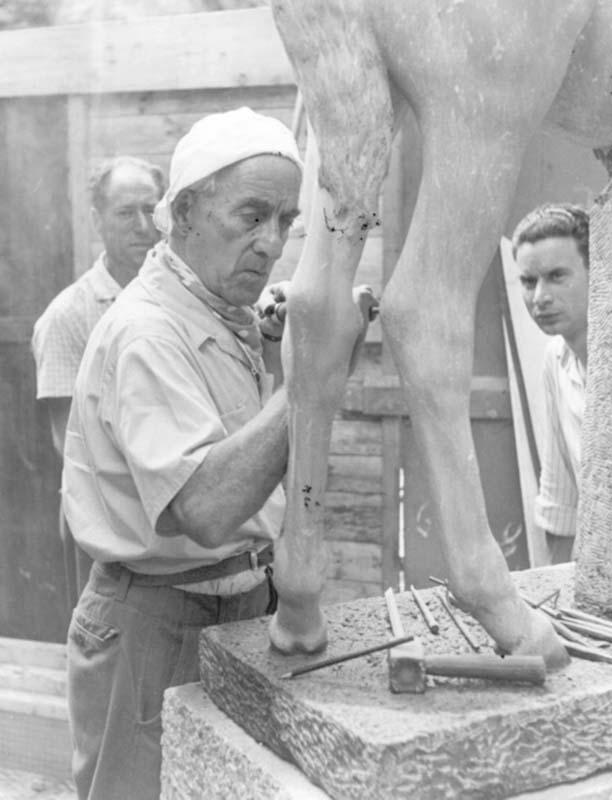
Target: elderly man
176	446
124	191
551	248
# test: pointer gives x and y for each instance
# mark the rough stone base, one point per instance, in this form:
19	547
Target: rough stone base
462	739
208	757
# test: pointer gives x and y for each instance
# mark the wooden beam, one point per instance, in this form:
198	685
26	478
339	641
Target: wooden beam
382	397
213	49
30	653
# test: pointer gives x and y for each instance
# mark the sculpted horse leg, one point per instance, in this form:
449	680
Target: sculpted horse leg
428	314
476	117
323	322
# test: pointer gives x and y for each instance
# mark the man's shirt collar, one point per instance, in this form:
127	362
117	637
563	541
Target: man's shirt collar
201	324
105	287
571	364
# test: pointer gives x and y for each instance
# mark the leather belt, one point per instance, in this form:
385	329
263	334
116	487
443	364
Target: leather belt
252	559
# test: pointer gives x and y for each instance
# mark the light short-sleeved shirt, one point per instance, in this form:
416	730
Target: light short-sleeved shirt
61	332
161	381
564	388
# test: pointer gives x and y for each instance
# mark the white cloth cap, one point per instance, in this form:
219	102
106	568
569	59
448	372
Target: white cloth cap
217	141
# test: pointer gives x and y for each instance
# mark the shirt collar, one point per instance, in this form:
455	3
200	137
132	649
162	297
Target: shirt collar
104	286
165	286
569	361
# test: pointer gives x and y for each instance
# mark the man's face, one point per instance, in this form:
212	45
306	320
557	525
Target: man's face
237	234
125	223
555	285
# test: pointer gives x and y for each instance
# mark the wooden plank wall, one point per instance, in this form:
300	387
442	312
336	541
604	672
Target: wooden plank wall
36	260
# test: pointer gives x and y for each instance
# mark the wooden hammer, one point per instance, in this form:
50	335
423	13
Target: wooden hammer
409	666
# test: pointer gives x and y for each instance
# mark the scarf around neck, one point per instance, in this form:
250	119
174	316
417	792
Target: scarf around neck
240	320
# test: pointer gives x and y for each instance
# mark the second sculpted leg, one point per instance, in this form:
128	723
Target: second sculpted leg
428	313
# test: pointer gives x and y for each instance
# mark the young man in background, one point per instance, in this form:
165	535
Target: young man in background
551	249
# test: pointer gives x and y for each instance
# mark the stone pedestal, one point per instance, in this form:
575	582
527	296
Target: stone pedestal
594	549
351	737
209	757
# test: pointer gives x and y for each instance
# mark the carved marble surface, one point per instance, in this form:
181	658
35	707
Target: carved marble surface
594	565
348	734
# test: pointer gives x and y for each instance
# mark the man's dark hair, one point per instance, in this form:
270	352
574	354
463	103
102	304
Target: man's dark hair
554	219
100	177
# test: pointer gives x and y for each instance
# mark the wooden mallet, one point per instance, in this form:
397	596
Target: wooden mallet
409	666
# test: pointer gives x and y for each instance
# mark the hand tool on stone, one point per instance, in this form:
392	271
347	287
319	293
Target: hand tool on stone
574	613
570	622
586	629
429	618
545	600
460	626
588	653
328	662
555	616
409	666
576	631
449	595
401	660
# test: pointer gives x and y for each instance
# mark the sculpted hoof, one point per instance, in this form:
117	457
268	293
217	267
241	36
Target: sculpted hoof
289	633
541	639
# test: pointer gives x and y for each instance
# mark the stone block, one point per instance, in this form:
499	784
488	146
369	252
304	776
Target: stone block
206	756
463	738
594	543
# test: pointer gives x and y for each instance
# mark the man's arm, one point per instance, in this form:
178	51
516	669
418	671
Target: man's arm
241	471
58	341
237	476
58	408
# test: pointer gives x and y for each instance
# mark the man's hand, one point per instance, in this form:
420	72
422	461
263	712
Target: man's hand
271	308
369	305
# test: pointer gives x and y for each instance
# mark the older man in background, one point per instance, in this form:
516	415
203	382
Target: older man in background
124	191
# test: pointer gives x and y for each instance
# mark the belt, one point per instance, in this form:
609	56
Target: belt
208	572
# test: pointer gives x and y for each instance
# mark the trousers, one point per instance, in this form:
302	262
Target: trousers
127	644
77	564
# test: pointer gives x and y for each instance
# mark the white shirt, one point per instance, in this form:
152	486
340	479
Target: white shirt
61	332
161	381
564	389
